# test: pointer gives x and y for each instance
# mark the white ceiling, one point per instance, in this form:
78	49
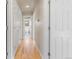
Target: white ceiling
27	11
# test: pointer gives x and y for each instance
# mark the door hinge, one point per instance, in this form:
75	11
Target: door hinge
6	2
49	27
48	53
48	2
6	28
7	53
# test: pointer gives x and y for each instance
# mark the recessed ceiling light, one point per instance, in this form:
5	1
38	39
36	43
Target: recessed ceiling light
27	6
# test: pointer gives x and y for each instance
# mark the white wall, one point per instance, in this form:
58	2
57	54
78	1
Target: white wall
17	25
14	27
41	27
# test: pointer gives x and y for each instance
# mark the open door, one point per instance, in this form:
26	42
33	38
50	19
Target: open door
28	34
39	29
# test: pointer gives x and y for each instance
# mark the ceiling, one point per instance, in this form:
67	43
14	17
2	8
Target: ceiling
27	6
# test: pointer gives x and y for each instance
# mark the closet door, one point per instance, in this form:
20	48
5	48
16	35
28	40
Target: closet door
61	29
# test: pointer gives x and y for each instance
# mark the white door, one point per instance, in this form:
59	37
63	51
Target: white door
61	32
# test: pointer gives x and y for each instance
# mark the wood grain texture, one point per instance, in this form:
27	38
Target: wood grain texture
27	49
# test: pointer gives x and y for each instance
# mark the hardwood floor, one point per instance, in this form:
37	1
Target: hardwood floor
27	49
